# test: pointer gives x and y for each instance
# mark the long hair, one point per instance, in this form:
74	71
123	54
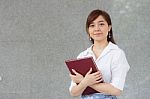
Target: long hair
95	14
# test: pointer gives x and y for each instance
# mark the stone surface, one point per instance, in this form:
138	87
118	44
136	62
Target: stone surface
36	36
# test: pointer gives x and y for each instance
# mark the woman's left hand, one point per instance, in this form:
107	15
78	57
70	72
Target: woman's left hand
77	78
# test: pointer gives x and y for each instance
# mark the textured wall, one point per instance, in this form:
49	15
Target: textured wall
36	36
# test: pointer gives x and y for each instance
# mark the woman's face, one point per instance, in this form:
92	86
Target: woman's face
98	29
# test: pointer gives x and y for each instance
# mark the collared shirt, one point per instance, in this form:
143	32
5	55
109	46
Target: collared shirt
112	63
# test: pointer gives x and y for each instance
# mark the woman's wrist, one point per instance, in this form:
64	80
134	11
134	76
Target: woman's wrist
83	83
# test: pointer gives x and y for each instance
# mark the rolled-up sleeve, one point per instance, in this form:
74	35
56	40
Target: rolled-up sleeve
119	69
71	85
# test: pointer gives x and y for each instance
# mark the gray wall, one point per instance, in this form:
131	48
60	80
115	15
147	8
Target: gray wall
36	36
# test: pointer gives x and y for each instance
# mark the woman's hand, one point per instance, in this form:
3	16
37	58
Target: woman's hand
77	78
91	79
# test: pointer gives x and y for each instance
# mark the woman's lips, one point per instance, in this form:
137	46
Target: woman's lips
98	33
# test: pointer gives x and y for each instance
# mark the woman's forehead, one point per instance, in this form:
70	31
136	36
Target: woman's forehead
99	19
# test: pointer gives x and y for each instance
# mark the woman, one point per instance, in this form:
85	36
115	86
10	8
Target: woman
109	58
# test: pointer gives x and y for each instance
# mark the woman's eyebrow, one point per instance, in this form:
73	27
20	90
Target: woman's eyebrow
101	21
98	21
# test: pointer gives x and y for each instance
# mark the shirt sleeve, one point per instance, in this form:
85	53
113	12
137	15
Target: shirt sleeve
71	85
119	70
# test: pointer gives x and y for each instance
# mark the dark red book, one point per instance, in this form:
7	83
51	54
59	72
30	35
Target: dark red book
82	66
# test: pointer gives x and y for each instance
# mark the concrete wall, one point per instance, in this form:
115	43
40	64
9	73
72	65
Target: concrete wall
36	36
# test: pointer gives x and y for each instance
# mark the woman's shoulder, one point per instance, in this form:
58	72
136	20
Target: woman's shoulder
118	52
84	52
116	49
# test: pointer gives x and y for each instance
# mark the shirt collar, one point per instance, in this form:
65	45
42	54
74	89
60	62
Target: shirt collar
109	47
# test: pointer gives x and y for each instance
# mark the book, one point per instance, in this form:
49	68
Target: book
82	66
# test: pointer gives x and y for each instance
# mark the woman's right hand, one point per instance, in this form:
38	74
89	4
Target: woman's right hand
77	78
91	79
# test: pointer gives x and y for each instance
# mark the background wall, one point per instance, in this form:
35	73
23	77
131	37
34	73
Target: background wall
36	36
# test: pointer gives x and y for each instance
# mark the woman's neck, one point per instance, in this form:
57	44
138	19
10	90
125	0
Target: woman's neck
100	45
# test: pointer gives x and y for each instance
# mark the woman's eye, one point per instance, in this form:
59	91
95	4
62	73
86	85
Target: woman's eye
92	25
101	24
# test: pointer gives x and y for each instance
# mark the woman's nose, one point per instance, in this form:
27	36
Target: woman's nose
97	28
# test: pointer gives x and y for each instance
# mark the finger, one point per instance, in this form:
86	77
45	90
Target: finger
74	72
100	80
99	72
96	73
89	71
72	75
98	76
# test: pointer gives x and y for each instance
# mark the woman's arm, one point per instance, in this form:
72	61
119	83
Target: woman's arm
78	89
106	88
88	80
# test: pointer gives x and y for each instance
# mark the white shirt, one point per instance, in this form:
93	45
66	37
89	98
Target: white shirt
112	63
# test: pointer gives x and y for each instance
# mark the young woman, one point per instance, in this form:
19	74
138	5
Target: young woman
109	58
